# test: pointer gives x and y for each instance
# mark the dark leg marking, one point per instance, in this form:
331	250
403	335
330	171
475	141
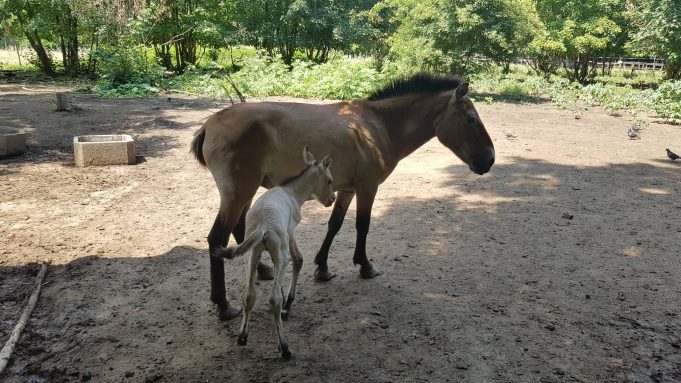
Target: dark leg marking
340	208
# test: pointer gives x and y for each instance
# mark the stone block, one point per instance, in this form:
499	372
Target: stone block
96	150
12	141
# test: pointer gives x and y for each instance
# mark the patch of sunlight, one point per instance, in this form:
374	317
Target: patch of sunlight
485	202
632	251
654	191
545	181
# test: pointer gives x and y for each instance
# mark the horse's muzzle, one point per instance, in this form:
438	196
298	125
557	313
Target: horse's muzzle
483	163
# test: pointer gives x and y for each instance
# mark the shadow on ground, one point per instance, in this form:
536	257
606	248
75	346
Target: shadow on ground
535	272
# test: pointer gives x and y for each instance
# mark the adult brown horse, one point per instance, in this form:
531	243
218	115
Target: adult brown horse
258	144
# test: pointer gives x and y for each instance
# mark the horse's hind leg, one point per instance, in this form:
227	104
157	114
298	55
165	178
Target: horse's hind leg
343	200
232	203
297	259
218	237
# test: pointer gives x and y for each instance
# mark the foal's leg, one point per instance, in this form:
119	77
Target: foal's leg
343	200
297	259
280	259
264	272
249	295
365	201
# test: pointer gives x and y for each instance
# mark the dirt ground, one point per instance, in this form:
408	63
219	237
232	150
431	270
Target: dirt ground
485	280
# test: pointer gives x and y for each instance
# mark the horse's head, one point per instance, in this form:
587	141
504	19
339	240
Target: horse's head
322	189
460	129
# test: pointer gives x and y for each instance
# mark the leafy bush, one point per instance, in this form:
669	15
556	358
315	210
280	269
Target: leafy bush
120	66
126	90
262	76
666	100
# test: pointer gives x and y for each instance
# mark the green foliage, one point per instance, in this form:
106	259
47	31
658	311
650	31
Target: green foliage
127	66
261	76
496	29
126	91
667	100
659	31
546	54
586	30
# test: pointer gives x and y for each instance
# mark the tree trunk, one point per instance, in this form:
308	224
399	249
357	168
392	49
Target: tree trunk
44	60
73	59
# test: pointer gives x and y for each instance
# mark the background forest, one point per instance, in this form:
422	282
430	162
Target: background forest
571	51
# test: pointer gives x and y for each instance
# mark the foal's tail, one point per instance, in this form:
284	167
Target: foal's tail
258	236
197	145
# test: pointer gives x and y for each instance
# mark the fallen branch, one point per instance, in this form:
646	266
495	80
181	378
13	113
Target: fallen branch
6	352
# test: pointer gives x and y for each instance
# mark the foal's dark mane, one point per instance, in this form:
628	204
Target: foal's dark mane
418	83
291	179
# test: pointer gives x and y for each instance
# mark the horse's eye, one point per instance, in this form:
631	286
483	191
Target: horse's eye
330	182
471	120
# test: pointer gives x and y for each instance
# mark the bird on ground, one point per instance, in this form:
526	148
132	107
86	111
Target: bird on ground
632	134
636	128
672	156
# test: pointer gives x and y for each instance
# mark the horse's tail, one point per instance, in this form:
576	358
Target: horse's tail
197	145
258	236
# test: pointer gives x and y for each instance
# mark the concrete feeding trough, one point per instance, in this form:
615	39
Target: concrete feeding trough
95	150
12	141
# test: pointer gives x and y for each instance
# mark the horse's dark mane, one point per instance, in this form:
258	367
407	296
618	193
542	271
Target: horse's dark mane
418	83
291	179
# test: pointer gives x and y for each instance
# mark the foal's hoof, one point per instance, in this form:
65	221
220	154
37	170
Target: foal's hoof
242	340
323	275
265	273
368	272
286	354
228	312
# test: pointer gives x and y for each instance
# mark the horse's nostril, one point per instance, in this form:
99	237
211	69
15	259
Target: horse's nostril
491	161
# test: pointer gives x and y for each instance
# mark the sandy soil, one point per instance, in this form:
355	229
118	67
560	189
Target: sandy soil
484	279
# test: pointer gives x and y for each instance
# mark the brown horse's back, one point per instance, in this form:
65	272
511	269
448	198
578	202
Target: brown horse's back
267	138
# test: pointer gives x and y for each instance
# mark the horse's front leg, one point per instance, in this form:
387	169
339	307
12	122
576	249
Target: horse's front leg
365	201
340	207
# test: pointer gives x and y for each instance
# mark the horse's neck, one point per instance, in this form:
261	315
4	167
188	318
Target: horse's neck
410	121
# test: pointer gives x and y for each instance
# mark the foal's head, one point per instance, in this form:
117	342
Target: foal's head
322	188
461	130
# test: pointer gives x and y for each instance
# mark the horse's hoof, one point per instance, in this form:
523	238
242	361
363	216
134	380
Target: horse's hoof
369	272
242	340
265	273
228	312
323	276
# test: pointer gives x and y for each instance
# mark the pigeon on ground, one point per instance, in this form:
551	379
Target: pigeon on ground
636	128
672	156
632	134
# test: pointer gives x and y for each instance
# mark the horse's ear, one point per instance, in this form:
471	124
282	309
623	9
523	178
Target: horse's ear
326	161
307	156
460	92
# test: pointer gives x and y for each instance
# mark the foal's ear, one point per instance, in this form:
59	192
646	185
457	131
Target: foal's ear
459	92
307	156
326	161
